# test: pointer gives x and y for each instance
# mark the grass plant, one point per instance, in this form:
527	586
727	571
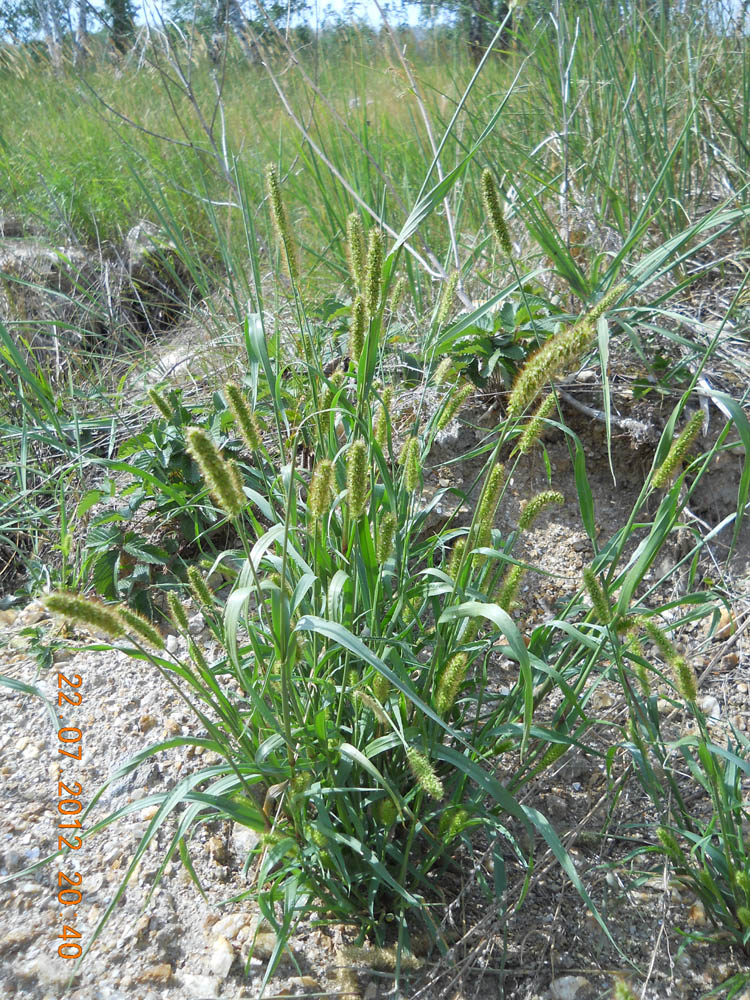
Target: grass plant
565	198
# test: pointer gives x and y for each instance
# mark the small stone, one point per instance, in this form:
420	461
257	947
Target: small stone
31	752
230	925
244	840
306	983
172	643
18	938
217	850
730	662
200	986
710	707
196	625
22	743
222	957
697	914
34	614
147	814
727	625
8	616
171	727
146	722
50	971
586	375
566	987
161	973
580	544
141	928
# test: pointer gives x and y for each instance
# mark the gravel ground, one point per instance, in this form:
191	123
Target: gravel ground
180	945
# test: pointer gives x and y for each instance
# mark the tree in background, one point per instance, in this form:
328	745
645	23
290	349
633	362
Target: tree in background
120	17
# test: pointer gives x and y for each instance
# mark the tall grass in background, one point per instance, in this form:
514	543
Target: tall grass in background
352	705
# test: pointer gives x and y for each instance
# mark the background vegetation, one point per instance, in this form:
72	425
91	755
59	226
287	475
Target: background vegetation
366	214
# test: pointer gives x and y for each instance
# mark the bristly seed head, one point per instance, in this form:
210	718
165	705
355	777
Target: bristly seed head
356	478
450	681
283	233
177	612
160	403
533	429
355	249
454	403
531	509
222	477
141	627
199	589
557	356
599	600
245	417
409	458
84	611
495	214
374	271
446	299
321	489
674	459
424	773
357	329
386	535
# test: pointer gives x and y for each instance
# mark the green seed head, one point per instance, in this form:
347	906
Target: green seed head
335	381
599	600
442	371
398	293
409	458
623	991
381	688
457	554
373	704
84	611
380	427
385	538
507	590
245	417
356	478
355	249
374	272
321	489
556	356
160	403
446	300
142	627
531	509
177	612
672	463
357	329
452	822
196	655
669	845
450	681
495	214
280	224
386	812
684	677
488	504
453	404
533	429
199	589
554	752
425	774
222	477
